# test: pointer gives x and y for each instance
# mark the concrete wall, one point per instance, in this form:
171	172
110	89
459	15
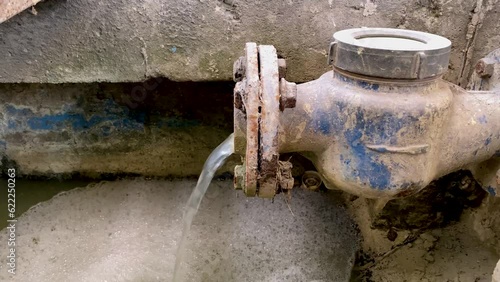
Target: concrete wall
198	40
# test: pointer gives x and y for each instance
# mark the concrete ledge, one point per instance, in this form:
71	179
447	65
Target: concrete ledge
130	41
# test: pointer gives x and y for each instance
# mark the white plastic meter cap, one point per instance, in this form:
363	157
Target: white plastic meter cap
390	53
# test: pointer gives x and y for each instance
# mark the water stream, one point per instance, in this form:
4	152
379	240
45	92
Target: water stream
212	164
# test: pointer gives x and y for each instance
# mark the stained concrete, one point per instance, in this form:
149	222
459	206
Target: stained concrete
128	230
198	40
155	128
443	201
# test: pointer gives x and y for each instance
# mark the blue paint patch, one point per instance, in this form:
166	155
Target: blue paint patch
345	161
491	191
367	85
323	123
74	118
384	129
368	168
381	150
11	110
487	141
330	122
482	119
360	164
11	124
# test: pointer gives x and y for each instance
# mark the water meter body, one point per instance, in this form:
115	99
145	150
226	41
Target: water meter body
382	123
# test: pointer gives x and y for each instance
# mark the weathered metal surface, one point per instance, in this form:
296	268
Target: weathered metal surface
252	105
385	135
10	8
288	94
487	73
390	138
239	69
257	109
485	67
269	121
239	177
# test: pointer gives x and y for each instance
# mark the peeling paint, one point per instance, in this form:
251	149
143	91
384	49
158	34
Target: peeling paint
487	141
491	190
300	129
482	119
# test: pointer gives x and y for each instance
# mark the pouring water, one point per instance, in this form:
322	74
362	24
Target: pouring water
216	159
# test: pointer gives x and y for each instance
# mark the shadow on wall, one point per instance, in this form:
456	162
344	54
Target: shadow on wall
64	128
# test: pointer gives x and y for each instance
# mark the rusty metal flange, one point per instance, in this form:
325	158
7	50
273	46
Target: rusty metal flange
270	103
257	96
251	103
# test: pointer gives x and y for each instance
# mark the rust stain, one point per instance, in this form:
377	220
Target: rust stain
253	118
270	97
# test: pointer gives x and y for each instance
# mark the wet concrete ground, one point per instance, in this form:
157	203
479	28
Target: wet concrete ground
128	230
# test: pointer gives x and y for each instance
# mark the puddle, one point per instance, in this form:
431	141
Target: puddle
32	192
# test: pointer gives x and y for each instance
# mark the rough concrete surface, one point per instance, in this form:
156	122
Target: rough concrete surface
449	254
128	231
116	41
450	231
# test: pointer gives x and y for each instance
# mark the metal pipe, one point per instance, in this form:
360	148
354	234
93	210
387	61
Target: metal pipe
383	127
